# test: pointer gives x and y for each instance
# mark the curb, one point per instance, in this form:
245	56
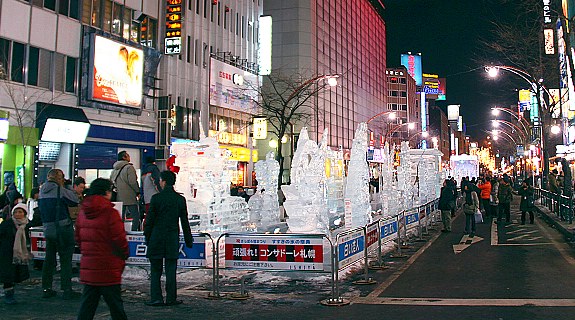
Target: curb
569	234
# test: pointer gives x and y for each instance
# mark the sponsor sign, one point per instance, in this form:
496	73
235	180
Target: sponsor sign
173	35
117	72
274	253
549	41
260	128
372	236
233	88
189	257
388	229
350	248
411	218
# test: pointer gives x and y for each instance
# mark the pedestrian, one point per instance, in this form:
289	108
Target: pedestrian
494	198
485	187
162	230
446	199
14	254
78	185
505	197
150	182
32	202
53	203
527	203
102	240
13	198
470	207
126	181
553	184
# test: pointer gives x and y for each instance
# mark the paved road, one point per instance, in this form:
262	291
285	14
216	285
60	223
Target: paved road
508	271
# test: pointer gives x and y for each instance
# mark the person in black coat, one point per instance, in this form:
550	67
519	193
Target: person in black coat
527	204
167	210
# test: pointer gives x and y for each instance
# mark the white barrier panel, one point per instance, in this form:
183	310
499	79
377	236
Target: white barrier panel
194	257
372	236
388	229
350	248
411	218
274	253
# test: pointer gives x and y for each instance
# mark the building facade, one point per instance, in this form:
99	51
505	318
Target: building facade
439	126
333	37
403	102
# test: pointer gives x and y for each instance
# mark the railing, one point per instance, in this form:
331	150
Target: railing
560	205
289	252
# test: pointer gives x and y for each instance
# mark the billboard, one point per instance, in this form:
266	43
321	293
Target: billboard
413	65
433	86
233	88
116	73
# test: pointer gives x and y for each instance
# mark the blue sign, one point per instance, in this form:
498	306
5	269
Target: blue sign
413	65
388	229
188	258
351	247
411	218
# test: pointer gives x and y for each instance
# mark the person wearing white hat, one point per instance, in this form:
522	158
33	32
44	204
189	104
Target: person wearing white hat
14	254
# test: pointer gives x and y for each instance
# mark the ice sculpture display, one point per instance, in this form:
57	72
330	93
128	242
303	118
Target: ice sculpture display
305	202
419	175
263	205
357	189
204	180
391	197
334	184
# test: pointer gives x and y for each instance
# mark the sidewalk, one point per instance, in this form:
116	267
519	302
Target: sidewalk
566	229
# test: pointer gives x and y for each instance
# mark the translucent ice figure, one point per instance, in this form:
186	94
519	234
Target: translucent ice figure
357	188
264	206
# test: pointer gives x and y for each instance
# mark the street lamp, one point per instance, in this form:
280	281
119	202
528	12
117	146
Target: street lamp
410	126
555	129
514	127
522	121
391	115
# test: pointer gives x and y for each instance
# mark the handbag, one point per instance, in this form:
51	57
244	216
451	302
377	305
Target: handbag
478	216
21	273
493	200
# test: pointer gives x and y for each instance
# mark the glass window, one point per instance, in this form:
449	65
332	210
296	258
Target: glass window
17	63
64	7
97	13
33	66
197	6
135	34
205	8
117	19
50	4
74	9
71	64
107	24
4	58
87	12
44	67
59	68
126	23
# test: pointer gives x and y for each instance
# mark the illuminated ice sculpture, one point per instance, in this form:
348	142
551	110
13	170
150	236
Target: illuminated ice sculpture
357	188
264	206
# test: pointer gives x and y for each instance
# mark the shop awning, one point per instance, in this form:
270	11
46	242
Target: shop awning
61	124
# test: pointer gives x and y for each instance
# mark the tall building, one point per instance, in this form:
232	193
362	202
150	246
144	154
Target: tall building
439	127
403	102
333	37
67	63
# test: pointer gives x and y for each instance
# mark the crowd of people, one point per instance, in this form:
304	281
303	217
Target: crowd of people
484	198
72	215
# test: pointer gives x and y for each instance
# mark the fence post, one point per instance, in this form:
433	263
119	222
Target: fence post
335	299
380	264
366	279
398	239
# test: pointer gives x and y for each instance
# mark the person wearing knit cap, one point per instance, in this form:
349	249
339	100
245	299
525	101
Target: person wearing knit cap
14	197
14	255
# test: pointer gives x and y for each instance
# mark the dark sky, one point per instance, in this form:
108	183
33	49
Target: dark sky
448	33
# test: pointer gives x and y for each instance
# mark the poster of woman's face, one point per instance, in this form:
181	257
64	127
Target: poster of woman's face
8	177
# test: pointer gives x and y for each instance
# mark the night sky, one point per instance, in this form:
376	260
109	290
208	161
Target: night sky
448	34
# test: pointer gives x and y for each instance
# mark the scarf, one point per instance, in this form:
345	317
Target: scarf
21	254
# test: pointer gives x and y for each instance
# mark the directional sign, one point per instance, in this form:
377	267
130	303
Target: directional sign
465	242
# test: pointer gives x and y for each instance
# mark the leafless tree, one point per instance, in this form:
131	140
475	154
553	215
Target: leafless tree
286	99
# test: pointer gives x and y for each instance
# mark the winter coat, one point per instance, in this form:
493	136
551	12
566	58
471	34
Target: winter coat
162	228
505	193
553	184
494	199
446	198
102	240
470	207
7	235
527	202
485	190
150	181
125	179
48	202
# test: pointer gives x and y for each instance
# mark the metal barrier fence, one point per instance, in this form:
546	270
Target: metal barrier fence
560	205
287	252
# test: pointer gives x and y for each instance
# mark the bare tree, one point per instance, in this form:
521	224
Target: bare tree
22	104
286	99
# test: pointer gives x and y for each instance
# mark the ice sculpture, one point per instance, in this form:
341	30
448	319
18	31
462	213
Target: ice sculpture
264	206
419	175
305	202
357	189
204	180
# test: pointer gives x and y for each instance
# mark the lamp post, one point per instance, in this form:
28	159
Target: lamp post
539	88
514	127
521	120
410	126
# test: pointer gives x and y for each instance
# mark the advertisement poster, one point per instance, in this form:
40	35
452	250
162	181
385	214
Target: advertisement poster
233	88
117	73
274	253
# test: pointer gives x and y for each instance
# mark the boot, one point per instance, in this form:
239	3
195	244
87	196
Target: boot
9	296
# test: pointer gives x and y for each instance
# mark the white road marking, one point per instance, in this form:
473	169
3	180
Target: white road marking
564	249
466	302
465	242
494	234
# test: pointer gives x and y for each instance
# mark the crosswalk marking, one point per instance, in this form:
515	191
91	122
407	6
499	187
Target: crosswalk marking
465	302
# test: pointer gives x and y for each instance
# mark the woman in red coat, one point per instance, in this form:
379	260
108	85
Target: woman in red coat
102	240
